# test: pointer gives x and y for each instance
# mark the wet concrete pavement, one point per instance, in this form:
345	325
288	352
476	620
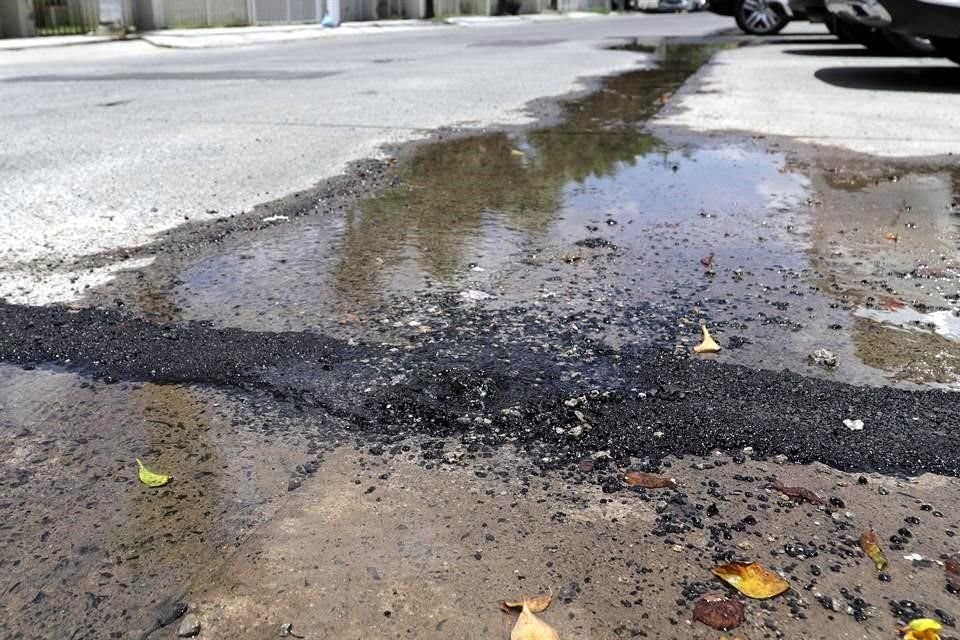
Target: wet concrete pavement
538	287
388	551
87	551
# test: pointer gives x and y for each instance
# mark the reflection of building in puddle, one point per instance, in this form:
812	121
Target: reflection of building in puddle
470	200
883	244
481	198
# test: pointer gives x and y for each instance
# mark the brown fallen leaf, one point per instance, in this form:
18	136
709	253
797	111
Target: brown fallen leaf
647	480
800	494
529	626
707	261
752	580
893	304
952	568
719	611
891	236
871	546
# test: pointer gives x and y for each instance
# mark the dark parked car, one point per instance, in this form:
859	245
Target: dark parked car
767	17
935	20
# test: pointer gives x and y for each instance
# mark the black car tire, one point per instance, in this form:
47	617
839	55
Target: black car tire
832	23
758	18
948	47
909	45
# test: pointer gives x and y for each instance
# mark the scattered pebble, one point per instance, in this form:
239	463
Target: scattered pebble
853	425
189	626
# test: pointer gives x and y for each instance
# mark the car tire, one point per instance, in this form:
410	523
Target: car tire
832	23
759	18
883	41
948	48
909	45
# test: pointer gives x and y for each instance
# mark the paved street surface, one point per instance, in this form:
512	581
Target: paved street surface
408	316
113	143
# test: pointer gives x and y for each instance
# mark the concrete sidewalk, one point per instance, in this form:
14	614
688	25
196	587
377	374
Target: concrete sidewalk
47	42
242	36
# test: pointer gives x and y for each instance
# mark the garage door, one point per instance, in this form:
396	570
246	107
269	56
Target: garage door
205	13
286	11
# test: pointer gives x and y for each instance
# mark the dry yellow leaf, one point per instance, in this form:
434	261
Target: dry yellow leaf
529	626
871	546
921	629
708	345
751	579
536	604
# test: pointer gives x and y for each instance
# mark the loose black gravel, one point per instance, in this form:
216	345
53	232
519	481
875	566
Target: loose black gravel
643	404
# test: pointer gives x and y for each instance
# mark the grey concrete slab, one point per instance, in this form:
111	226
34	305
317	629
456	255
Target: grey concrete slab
828	94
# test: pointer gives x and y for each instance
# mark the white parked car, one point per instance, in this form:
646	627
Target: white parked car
681	5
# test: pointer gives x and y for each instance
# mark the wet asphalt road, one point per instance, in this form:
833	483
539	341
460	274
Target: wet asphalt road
534	287
228	129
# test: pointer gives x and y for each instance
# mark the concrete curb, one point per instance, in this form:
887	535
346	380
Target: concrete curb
245	36
50	42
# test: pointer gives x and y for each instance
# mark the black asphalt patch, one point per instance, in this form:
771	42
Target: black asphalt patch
638	404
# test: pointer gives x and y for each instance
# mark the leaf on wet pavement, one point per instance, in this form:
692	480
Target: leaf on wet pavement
719	611
871	546
529	626
708	345
536	604
751	579
647	480
798	494
151	478
893	304
921	629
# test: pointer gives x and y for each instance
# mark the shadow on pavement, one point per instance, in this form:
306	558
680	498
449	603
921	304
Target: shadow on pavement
944	79
844	51
826	39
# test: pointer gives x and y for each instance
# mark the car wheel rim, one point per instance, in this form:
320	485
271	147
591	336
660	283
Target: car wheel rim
759	15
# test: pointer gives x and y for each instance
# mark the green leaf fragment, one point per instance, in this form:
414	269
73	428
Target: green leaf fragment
150	478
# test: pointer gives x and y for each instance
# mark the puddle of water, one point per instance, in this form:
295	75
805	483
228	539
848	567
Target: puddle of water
884	246
596	226
86	551
496	211
944	323
591	216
